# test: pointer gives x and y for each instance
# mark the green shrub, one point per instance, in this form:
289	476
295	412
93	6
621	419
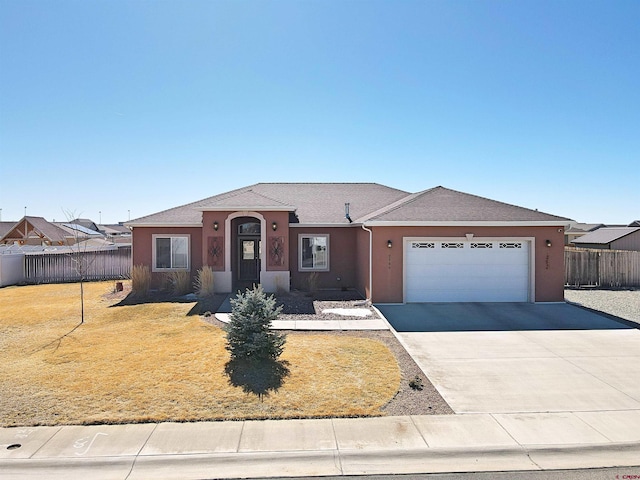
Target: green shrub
249	336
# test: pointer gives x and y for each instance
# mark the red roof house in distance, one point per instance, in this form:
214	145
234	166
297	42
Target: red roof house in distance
438	245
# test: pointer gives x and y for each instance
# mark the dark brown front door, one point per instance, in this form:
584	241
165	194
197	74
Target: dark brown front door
249	261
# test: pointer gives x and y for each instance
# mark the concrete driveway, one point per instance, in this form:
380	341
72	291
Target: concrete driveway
520	358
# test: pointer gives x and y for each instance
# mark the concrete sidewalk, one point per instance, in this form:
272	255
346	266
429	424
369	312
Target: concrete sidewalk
322	325
321	447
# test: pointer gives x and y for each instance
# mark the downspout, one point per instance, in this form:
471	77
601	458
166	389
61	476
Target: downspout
370	262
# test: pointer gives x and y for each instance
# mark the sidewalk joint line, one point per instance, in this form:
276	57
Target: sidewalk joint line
60	427
338	454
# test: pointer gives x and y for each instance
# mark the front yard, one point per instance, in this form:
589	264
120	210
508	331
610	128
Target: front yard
153	362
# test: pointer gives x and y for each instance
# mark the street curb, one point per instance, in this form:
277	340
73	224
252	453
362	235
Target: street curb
327	462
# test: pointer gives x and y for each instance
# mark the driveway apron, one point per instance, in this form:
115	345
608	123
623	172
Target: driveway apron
521	357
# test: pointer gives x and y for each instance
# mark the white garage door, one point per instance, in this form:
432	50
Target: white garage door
463	271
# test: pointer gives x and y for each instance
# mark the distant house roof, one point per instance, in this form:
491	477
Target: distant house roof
114	229
86	223
76	229
635	223
5	227
584	227
606	235
32	227
324	203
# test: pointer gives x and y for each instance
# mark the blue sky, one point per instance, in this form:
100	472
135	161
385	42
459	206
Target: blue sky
138	106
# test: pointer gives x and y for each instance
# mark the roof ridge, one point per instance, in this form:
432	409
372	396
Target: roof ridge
202	200
412	197
503	203
238	193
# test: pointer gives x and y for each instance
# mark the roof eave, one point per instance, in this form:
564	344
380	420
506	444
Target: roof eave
320	225
466	223
163	225
247	208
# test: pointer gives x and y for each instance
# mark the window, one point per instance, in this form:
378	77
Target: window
170	253
314	253
423	245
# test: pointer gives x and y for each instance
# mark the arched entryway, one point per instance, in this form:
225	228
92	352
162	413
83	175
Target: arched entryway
247	253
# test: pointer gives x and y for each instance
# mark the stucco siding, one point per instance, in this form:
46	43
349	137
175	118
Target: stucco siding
142	251
342	258
388	272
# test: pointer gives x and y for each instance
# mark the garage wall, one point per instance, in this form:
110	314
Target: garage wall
388	262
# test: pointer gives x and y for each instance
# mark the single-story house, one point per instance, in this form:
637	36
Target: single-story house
579	229
38	231
611	238
438	245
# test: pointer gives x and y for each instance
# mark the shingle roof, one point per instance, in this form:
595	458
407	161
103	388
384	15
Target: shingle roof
441	204
5	227
324	203
42	226
584	227
606	235
312	202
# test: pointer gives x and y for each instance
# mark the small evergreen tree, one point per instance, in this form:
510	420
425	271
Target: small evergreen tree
249	337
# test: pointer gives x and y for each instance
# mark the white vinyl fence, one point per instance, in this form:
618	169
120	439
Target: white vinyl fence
601	268
11	269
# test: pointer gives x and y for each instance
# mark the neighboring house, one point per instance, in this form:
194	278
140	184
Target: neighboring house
34	231
5	227
38	231
579	229
390	245
635	223
116	233
611	238
86	223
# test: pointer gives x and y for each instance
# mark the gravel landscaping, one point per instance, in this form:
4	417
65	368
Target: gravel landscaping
621	303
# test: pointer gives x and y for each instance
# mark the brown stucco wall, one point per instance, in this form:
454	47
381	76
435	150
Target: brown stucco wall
362	265
281	219
342	258
388	262
142	239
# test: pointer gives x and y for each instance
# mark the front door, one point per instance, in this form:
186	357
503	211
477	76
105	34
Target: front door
249	253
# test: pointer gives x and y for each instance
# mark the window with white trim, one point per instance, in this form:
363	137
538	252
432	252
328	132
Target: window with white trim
170	252
313	253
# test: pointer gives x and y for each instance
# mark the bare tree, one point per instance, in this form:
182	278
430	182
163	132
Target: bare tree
79	255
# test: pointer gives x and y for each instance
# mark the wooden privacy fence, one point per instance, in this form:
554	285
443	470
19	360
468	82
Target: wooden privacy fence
601	268
69	267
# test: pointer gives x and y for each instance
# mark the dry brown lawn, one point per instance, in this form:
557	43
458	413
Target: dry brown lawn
152	362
